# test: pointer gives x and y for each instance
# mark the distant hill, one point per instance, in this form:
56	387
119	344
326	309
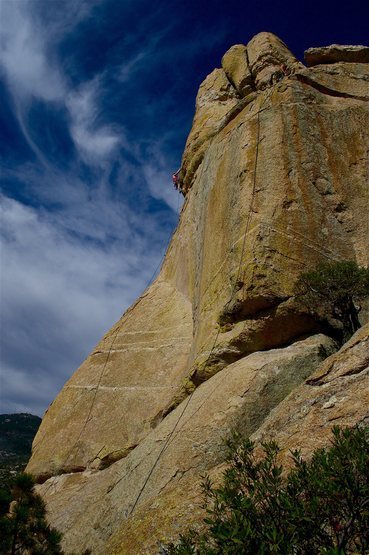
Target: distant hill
16	435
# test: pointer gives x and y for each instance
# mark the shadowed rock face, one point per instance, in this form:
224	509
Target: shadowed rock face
235	64
337	53
275	175
336	394
242	395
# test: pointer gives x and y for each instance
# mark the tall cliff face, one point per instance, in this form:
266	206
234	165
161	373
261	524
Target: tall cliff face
275	174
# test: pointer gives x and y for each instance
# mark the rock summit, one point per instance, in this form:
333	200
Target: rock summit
275	175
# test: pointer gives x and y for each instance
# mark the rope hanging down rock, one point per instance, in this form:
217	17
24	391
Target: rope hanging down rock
101	375
234	289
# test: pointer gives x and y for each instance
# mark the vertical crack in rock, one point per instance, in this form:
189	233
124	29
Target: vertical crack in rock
275	175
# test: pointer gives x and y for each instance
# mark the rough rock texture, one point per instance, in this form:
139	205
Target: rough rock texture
240	395
227	91
336	53
214	102
236	67
117	396
343	80
275	181
266	54
336	394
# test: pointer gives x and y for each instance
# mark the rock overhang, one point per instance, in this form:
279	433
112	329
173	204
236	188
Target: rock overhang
277	172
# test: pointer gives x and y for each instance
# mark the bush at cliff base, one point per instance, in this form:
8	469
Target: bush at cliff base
319	507
23	527
332	289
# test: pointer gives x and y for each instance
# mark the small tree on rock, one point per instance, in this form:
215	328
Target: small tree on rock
333	289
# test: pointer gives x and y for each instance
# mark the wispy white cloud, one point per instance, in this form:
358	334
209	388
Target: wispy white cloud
148	47
94	142
159	182
24	55
25	64
128	67
59	295
158	173
32	72
69	271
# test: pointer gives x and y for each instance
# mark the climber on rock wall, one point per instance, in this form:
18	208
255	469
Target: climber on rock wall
175	179
286	70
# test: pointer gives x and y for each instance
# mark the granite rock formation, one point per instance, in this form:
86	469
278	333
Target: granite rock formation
337	53
275	176
337	393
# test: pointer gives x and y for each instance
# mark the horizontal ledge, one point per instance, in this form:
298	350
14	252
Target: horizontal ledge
121	388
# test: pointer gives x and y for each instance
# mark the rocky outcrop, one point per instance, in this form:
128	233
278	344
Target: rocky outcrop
336	394
187	443
227	91
215	102
275	174
236	67
118	394
269	59
336	53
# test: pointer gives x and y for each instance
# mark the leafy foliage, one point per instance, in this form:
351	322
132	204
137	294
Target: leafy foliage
334	287
23	527
319	507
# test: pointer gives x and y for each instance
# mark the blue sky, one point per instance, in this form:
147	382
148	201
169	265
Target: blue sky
97	99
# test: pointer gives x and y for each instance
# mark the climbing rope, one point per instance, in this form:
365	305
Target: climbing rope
115	335
248	219
234	288
166	443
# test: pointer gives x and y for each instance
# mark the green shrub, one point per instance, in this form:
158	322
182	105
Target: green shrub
319	507
332	289
23	526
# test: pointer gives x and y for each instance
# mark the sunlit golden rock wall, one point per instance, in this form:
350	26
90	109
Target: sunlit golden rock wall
275	176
